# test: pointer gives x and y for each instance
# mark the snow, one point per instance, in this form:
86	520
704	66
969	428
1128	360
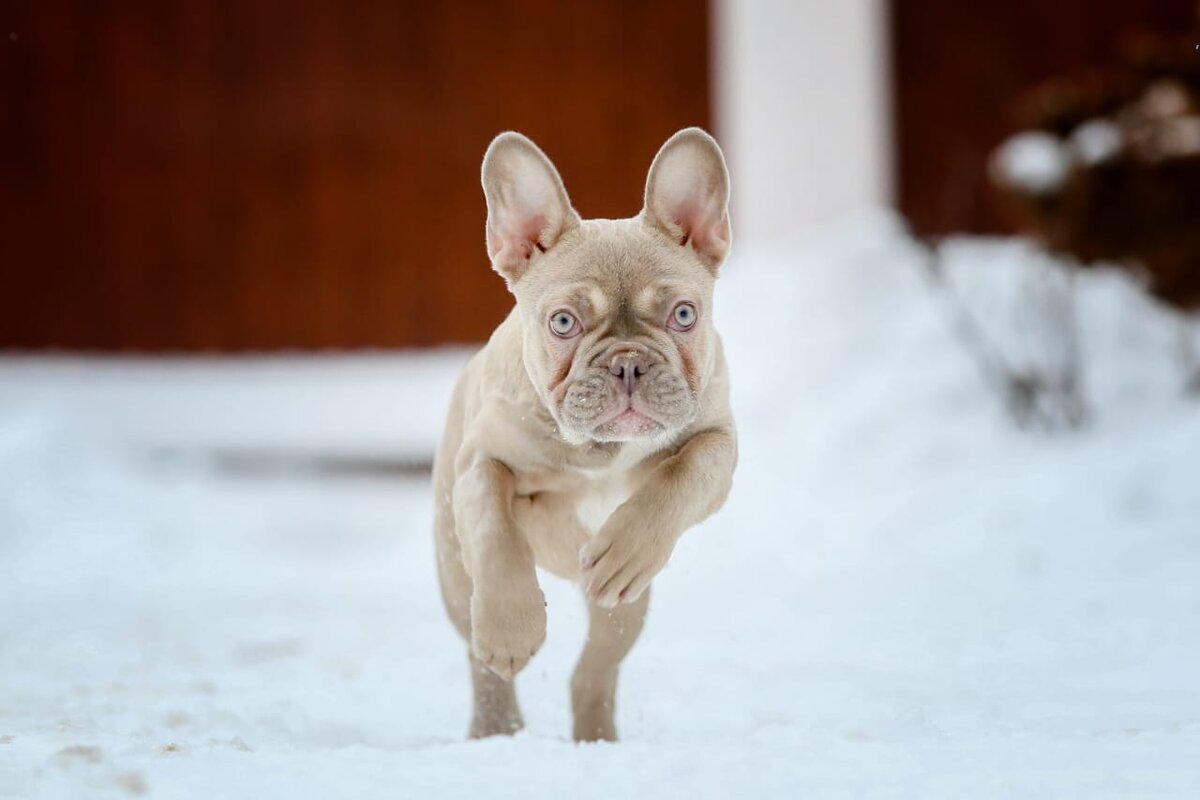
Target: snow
904	597
1097	140
1180	137
1033	161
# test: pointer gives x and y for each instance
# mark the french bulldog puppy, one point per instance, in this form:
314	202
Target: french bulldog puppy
594	427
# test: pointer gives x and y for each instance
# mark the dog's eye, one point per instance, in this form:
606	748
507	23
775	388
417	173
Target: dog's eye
684	316
563	323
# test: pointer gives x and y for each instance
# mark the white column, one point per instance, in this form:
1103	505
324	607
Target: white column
801	99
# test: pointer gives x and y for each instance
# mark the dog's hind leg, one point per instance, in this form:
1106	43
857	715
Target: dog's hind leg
496	712
611	634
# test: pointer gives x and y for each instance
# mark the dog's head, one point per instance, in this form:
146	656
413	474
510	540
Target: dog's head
617	314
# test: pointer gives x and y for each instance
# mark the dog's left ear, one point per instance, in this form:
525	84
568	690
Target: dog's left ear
687	195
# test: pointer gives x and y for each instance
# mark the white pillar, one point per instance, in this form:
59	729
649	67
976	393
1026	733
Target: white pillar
801	100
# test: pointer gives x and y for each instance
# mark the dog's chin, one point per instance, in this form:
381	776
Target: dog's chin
628	426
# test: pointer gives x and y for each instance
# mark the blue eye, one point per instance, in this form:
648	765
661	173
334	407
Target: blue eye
684	315
562	323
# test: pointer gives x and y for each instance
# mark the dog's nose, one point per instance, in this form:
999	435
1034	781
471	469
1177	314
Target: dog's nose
628	365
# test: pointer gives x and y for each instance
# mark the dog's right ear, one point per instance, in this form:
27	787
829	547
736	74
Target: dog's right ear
528	208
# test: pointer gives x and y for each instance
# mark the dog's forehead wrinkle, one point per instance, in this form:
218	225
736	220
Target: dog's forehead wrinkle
627	264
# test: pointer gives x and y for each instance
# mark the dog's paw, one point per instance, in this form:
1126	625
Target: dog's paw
619	562
507	630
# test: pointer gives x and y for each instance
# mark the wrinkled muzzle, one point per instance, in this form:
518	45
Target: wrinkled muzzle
626	393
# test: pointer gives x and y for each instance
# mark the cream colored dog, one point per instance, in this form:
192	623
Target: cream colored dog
594	427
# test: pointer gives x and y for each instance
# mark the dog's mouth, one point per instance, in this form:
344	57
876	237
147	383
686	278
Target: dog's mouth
627	423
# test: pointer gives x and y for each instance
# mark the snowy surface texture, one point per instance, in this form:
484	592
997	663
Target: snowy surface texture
905	597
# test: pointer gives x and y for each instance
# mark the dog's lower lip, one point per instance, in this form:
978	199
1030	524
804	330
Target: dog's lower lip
631	415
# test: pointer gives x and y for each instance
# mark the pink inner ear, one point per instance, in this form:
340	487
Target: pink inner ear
683	215
515	242
698	225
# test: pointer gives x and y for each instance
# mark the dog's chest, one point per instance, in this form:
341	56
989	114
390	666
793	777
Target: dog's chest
559	511
606	488
600	498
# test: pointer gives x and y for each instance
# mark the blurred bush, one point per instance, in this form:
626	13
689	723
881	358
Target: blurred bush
1108	169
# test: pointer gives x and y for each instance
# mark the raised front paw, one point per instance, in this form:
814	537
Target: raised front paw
507	628
619	563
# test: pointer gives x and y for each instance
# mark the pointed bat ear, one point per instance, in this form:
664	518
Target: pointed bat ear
528	208
687	195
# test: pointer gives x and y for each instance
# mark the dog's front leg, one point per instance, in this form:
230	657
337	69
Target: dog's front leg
508	611
635	542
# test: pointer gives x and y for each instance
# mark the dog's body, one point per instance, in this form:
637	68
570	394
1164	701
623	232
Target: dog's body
593	428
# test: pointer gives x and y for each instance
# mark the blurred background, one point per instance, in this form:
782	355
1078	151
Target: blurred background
242	261
192	177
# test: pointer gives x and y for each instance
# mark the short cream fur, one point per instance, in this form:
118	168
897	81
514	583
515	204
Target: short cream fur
594	428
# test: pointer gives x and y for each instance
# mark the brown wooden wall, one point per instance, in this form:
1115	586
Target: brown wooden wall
249	174
958	66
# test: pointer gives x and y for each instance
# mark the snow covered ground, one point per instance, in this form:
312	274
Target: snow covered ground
905	596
